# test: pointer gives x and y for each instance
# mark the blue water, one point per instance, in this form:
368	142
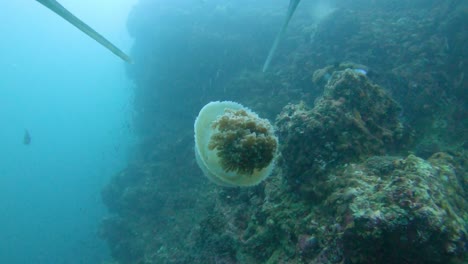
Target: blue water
74	98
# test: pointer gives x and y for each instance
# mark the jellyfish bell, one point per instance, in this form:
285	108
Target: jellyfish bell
233	145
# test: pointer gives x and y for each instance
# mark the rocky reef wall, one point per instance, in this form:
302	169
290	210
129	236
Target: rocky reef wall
370	109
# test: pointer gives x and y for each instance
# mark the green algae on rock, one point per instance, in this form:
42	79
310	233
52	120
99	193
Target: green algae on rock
233	146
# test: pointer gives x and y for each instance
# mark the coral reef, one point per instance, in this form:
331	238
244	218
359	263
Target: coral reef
352	120
360	177
385	209
395	210
416	50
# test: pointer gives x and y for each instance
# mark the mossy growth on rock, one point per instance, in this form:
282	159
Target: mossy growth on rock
243	143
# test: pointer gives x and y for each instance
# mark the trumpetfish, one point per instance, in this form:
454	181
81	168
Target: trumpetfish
57	8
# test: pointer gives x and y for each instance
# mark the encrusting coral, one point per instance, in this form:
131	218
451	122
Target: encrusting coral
233	146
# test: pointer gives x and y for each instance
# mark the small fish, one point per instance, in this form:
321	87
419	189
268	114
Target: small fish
26	138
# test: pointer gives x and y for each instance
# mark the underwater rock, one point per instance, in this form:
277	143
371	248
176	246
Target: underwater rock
352	120
384	209
233	146
425	77
152	207
395	210
131	191
307	244
265	223
322	76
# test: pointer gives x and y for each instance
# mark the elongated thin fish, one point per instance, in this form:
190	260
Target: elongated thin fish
292	7
57	8
26	137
